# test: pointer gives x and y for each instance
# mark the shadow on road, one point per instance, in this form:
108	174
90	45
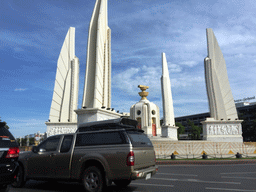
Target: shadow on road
53	186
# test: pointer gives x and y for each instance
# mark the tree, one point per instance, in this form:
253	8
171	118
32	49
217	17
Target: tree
23	141
248	127
195	131
181	129
6	126
31	141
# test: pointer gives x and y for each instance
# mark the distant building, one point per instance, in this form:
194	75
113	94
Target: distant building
31	135
245	108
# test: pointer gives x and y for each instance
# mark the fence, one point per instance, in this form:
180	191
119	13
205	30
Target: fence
195	149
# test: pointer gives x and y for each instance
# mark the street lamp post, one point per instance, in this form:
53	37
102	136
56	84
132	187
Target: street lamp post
27	140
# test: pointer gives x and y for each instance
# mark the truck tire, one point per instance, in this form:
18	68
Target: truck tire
92	179
19	181
122	182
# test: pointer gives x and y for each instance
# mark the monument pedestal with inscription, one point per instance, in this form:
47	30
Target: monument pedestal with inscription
60	128
222	131
95	114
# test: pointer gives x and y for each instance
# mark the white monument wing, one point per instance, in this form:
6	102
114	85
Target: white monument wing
221	102
65	95
97	87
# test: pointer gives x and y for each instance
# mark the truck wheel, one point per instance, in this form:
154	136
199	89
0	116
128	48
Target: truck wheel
122	182
92	179
19	181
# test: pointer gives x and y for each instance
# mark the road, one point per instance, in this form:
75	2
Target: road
209	178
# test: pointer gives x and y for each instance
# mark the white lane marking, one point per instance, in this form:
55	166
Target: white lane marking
195	180
239	177
225	189
177	174
238	173
152	184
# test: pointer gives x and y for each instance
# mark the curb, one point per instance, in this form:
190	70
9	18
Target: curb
206	162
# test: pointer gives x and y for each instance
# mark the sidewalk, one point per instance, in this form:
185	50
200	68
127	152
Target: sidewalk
205	162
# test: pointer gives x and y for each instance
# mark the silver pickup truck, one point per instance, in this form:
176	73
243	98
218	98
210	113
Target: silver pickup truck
97	154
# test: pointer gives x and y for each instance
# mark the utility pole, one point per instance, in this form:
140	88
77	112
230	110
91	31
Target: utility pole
27	140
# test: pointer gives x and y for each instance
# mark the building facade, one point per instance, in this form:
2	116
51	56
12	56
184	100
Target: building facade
247	111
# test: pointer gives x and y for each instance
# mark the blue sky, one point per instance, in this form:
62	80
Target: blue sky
32	34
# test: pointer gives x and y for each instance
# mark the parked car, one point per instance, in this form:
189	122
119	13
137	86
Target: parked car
9	154
97	154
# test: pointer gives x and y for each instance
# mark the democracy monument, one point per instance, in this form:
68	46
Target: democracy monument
223	124
222	127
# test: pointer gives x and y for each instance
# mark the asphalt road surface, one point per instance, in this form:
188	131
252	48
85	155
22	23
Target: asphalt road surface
192	178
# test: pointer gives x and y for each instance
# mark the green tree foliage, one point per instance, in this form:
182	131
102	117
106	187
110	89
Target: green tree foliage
248	127
181	129
23	141
32	141
195	131
6	126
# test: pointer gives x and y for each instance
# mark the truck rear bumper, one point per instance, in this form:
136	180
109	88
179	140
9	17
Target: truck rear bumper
144	173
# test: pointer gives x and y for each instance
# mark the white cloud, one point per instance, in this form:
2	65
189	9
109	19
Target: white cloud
22	127
20	89
188	81
229	38
189	63
174	68
191	101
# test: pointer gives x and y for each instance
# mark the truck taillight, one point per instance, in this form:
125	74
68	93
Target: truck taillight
130	159
13	152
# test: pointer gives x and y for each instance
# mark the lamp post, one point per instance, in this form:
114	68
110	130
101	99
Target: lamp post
27	140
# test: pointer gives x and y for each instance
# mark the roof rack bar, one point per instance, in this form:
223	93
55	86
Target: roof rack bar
109	124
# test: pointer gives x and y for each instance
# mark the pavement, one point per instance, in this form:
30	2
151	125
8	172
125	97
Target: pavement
205	162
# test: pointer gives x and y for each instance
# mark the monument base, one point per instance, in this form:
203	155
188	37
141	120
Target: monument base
170	132
222	131
95	114
60	128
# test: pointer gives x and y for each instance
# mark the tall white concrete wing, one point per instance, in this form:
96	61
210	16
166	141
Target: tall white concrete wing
65	95
221	102
168	111
97	87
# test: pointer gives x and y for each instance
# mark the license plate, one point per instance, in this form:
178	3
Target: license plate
148	176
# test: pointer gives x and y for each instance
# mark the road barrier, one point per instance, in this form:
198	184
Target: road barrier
195	149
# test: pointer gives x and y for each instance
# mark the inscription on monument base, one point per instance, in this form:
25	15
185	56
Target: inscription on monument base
222	131
60	128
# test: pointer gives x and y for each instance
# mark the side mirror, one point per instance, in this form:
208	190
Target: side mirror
35	149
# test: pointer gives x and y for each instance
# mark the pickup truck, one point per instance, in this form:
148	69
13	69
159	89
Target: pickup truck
97	154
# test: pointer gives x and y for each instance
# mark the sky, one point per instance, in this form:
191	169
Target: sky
32	34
